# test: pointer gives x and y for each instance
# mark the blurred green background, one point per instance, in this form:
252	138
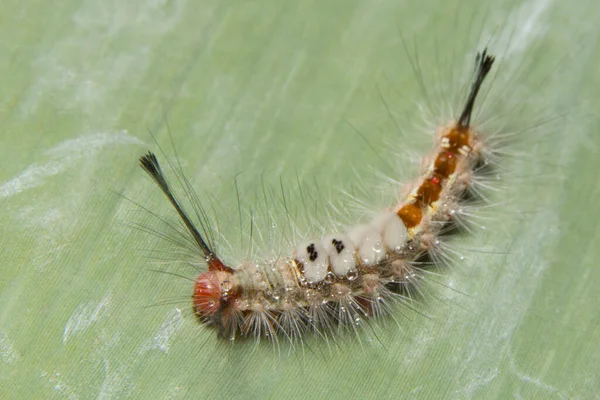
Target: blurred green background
271	94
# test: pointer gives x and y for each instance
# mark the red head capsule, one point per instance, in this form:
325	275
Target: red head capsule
208	293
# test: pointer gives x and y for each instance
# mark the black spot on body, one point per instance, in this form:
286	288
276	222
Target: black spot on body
339	245
313	254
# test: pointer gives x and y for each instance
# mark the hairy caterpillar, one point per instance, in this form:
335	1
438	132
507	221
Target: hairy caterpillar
341	279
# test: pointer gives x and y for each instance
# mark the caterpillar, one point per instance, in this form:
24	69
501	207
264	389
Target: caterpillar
344	278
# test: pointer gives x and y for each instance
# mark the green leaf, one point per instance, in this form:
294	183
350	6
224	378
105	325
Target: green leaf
311	102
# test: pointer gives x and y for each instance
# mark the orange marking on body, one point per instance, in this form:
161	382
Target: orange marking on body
429	191
410	214
458	137
445	164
